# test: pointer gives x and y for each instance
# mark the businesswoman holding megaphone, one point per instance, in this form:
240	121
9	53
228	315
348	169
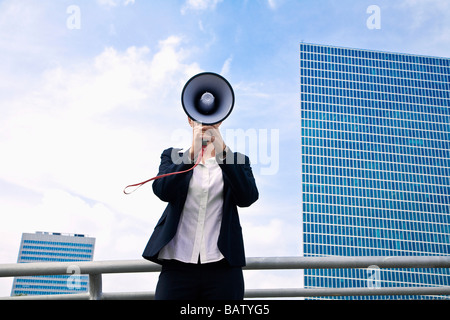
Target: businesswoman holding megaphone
198	239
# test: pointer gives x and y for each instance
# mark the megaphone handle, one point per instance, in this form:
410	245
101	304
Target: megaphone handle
138	185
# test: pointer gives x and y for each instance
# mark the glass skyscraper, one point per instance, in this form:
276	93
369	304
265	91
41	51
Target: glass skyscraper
375	162
53	247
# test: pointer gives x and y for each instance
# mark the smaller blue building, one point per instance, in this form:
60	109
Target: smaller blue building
53	247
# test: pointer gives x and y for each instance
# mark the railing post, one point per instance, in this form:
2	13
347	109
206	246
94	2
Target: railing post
95	287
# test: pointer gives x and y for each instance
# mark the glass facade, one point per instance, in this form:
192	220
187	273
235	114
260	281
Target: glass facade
53	247
375	162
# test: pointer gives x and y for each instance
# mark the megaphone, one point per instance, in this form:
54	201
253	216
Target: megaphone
207	98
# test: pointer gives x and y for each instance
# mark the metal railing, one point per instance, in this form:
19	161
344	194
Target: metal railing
95	269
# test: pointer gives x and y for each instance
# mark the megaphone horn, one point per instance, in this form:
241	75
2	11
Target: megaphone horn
207	98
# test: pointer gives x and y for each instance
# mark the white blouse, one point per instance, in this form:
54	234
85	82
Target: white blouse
199	226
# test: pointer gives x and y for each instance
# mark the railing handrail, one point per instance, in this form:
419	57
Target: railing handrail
96	268
255	263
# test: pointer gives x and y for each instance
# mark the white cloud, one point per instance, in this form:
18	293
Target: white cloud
423	14
274	4
72	123
199	5
226	67
20	21
89	131
115	3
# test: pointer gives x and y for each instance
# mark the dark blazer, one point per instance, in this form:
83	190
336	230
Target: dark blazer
239	190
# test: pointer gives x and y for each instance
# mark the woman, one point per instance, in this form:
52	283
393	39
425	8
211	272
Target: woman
198	239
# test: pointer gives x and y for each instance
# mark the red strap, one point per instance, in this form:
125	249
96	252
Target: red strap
138	185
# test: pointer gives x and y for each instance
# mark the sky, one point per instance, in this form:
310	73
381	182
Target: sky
90	96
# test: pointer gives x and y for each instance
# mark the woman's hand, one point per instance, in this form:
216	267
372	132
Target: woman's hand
197	139
216	138
208	135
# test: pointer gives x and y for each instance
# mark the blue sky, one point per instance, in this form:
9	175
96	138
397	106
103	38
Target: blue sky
87	111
